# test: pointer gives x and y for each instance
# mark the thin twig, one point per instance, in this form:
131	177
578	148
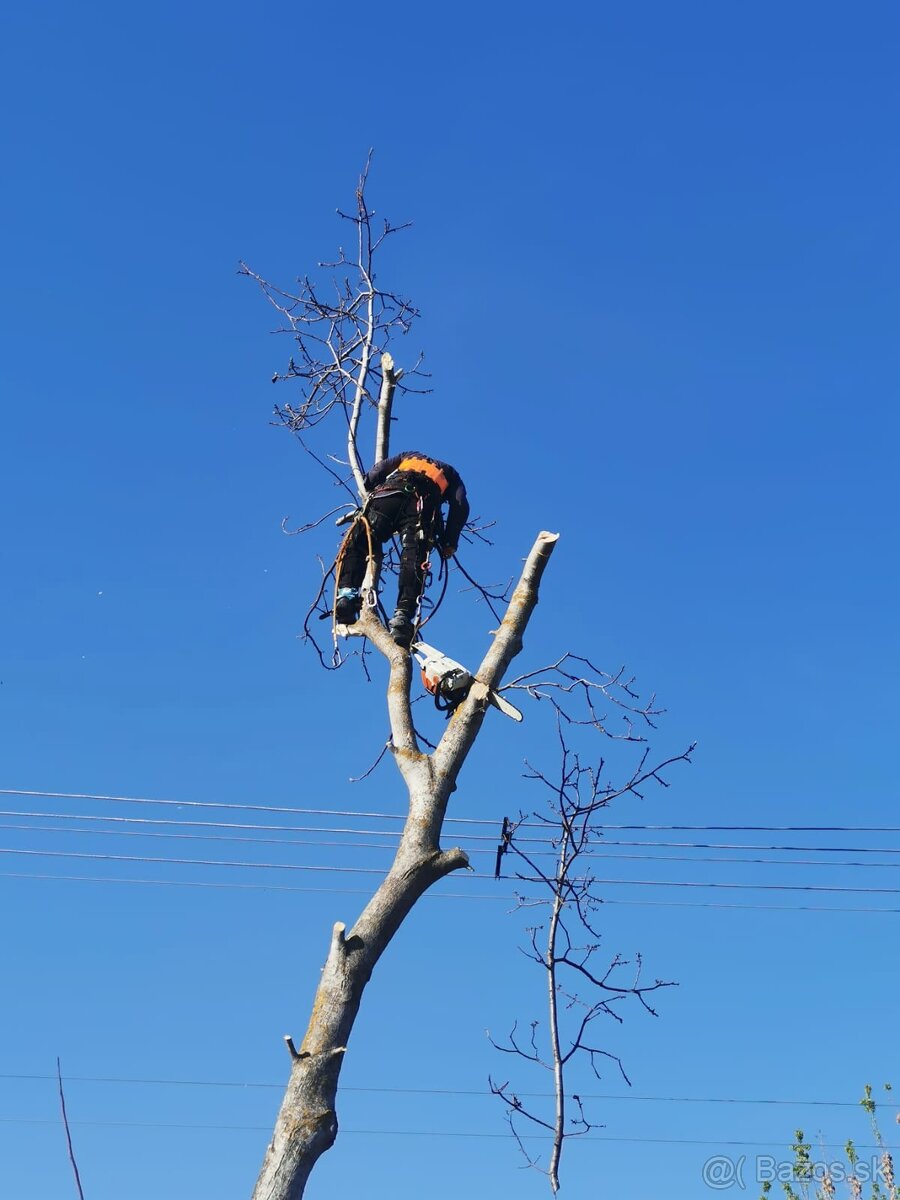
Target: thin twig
62	1105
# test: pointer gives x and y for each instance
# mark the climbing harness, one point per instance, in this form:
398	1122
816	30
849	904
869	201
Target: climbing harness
428	530
424	466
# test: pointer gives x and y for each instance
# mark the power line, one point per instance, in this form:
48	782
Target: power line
437	895
591	854
719	859
277	808
761	828
213	837
483	1093
197	862
435	1133
336	812
741	846
471	850
763	887
253	887
342	870
472	837
752	907
467	837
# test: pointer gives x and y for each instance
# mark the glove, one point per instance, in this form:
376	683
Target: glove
447	552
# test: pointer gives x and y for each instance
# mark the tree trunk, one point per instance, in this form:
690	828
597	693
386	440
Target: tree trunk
307	1121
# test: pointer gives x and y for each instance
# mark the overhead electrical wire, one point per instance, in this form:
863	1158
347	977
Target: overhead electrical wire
438	1133
194	862
597	851
276	808
505	897
472	837
467	837
445	895
450	820
747	846
529	879
215	837
392	846
420	1091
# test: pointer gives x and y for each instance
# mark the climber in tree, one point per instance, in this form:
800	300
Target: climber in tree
405	494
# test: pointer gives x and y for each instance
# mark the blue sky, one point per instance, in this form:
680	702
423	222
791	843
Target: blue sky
655	252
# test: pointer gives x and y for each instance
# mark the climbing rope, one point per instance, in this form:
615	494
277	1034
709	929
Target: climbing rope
370	558
443	574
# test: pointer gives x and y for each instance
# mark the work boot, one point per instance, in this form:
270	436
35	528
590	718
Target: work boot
401	628
347	606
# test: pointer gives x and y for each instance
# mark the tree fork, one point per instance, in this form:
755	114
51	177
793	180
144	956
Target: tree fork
307	1123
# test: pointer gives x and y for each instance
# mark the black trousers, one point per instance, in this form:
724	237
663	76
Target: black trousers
399	513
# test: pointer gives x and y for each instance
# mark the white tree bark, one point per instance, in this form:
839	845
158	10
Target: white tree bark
307	1121
390	376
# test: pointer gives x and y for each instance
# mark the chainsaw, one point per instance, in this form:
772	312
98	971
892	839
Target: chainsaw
450	682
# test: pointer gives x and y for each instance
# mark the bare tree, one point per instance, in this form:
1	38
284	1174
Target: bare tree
342	362
345	328
581	987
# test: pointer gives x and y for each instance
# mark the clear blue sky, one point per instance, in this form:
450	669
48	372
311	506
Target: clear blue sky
655	248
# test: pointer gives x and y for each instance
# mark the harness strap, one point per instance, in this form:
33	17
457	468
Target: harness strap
424	466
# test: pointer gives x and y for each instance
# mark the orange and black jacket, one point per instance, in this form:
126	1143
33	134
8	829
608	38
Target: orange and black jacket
434	480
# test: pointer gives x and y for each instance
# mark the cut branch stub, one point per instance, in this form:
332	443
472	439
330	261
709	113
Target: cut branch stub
390	375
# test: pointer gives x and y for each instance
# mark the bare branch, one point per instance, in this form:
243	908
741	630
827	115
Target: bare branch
389	378
575	796
311	524
490	593
382	752
341	358
62	1105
